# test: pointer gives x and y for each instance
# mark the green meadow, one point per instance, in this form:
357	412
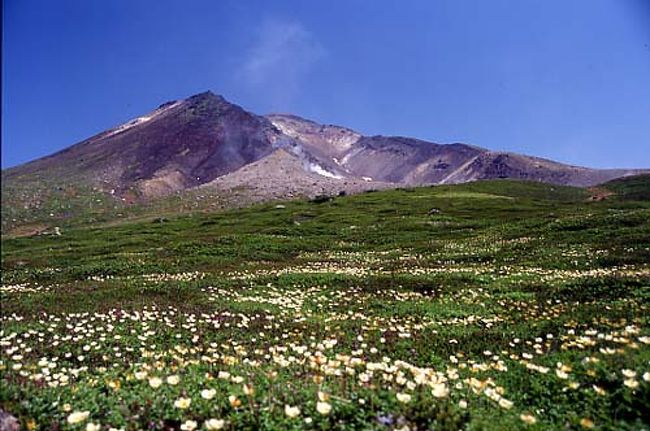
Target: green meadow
496	305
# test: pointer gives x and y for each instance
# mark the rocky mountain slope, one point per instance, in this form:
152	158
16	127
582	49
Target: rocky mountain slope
207	143
179	145
283	175
409	161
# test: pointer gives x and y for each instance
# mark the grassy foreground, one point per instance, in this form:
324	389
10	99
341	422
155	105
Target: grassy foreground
487	306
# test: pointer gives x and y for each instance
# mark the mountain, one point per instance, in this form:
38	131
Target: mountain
396	159
207	146
179	145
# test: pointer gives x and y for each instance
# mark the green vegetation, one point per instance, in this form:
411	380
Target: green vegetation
485	306
630	188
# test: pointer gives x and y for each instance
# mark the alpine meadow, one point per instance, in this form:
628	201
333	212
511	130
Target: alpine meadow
386	310
335	215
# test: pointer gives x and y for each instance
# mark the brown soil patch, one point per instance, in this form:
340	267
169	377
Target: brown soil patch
599	193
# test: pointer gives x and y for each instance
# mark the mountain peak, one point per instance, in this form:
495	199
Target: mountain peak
187	143
205	96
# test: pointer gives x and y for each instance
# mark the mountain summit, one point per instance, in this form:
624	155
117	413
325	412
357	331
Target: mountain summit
206	143
179	145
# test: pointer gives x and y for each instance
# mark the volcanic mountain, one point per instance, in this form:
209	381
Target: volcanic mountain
409	161
179	145
207	144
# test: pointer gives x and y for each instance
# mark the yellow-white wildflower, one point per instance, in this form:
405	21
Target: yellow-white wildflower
182	403
323	408
189	425
403	398
291	411
214	424
76	417
208	394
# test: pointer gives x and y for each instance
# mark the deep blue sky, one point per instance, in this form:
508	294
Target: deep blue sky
563	79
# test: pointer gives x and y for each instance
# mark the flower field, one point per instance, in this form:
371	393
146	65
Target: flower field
512	306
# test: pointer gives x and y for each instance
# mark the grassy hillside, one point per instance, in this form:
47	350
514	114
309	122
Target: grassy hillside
492	305
631	188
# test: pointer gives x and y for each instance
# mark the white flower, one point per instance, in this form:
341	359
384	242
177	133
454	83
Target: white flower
291	411
440	390
208	394
629	373
323	407
182	403
631	383
403	398
646	376
77	417
173	380
92	427
189	425
214	424
155	382
506	404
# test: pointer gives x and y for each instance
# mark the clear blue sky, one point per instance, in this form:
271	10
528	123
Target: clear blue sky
562	79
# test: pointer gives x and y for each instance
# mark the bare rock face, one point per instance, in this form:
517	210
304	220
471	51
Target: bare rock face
283	175
329	140
409	161
406	160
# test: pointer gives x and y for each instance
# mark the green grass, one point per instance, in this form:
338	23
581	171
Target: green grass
630	188
512	301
